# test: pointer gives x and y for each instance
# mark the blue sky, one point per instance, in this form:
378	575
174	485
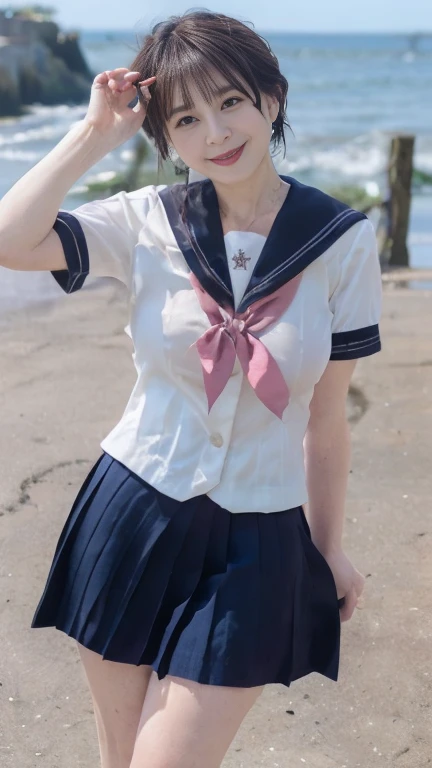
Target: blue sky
279	15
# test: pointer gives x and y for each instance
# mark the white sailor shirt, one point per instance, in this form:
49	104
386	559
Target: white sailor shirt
227	359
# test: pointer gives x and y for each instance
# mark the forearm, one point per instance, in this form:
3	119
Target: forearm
327	461
29	209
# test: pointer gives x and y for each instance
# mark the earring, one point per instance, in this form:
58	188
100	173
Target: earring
179	166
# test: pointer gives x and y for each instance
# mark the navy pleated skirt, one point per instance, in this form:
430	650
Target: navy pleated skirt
190	588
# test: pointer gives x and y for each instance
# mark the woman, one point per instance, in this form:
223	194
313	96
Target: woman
186	570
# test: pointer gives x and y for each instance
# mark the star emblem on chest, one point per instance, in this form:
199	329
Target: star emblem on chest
240	259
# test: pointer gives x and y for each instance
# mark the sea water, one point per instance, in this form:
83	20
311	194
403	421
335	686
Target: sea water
347	95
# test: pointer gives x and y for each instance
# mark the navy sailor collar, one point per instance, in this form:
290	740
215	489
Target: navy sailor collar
307	224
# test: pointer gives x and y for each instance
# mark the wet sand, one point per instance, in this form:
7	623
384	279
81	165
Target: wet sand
65	376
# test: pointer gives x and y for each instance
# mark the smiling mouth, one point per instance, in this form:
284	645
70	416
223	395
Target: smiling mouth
227	154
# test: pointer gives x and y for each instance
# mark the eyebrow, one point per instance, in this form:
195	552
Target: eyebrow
218	92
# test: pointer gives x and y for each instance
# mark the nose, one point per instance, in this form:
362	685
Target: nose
217	130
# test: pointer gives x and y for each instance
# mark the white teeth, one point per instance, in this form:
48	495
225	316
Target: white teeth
228	156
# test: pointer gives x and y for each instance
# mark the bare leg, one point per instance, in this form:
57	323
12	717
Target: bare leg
188	725
118	692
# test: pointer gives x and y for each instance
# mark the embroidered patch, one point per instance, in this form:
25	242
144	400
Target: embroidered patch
240	260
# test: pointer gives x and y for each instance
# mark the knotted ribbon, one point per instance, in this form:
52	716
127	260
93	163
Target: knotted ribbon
232	334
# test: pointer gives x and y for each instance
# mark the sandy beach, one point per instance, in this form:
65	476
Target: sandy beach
65	375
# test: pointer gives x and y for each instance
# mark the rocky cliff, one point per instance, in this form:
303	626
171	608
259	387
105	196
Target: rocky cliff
39	63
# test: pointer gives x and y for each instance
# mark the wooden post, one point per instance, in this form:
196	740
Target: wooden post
400	175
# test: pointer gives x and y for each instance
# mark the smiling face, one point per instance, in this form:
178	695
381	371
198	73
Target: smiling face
192	57
201	129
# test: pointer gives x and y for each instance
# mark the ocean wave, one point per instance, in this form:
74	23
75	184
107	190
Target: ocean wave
65	110
15	155
423	161
41	124
127	154
102	176
362	158
42	133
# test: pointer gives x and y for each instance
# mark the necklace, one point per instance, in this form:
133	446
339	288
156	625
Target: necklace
240	259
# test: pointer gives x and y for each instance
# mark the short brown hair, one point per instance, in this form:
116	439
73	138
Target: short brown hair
186	48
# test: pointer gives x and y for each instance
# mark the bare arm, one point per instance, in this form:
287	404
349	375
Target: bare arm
327	456
28	211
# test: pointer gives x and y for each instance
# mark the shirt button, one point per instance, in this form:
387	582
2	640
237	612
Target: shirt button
216	439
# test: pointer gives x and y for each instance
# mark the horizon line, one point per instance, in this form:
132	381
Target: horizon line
355	33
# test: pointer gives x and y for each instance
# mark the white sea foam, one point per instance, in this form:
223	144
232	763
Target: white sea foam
61	110
102	176
48	132
79	189
17	156
362	157
423	161
126	155
362	160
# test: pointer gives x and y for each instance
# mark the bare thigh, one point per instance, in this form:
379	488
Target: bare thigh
118	692
188	725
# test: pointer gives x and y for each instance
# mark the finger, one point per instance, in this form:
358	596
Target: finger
126	74
118	86
118	77
101	79
349	605
114	85
118	72
145	91
148	80
132	75
132	79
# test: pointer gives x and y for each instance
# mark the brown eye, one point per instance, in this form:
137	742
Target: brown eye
232	98
188	117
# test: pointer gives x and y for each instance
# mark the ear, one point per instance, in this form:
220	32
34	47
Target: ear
272	106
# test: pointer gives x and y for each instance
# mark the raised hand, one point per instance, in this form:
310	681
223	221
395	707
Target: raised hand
108	111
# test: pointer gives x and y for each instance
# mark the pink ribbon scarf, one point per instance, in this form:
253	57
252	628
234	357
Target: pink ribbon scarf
232	334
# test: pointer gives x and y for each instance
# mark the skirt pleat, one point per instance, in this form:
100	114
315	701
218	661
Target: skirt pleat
190	588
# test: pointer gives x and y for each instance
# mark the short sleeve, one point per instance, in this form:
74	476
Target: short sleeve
356	298
99	237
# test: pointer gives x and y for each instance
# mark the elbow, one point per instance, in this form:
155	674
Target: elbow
6	260
6	257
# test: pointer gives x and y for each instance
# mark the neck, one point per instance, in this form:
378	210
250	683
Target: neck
252	197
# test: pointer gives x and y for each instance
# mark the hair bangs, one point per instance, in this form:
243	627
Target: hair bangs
185	65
